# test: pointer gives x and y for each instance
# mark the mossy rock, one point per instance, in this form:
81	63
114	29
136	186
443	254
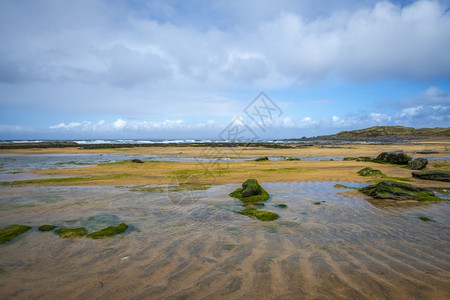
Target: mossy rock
399	191
46	227
138	161
259	214
369	172
262	158
341	186
425	219
395	157
67	233
361	158
433	175
251	191
9	233
108	231
281	205
417	163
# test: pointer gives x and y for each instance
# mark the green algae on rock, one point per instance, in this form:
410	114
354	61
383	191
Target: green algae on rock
417	163
369	172
9	233
259	214
108	231
360	158
399	191
281	205
341	186
395	157
71	232
46	227
251	191
425	219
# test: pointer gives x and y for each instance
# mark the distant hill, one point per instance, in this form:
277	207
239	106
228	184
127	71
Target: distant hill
390	131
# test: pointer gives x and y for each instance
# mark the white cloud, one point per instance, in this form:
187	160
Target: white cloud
411	111
380	118
119	124
65	127
132	126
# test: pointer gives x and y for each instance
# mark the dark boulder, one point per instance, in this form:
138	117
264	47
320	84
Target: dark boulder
395	157
433	175
138	161
417	163
262	158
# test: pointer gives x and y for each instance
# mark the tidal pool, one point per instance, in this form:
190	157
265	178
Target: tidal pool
192	244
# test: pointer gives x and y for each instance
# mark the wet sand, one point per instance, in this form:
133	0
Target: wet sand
345	248
192	245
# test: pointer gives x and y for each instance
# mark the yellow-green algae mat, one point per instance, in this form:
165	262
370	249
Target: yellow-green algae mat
11	232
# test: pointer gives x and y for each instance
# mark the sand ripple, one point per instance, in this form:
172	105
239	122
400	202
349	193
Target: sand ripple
345	248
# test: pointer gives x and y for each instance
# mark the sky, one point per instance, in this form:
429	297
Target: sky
136	69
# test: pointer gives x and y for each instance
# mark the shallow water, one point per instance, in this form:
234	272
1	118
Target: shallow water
192	245
21	163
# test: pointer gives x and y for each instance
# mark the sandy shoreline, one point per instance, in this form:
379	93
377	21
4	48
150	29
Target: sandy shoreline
223	172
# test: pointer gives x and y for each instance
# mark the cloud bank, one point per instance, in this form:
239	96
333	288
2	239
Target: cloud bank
170	60
65	41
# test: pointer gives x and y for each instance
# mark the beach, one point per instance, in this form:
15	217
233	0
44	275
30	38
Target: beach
186	241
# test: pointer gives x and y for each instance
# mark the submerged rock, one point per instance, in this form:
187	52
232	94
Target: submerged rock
9	233
428	151
262	158
369	172
46	227
433	175
293	159
399	191
71	232
251	191
109	231
259	214
395	157
417	163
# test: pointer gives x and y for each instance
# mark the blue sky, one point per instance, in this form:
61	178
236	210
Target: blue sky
186	69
